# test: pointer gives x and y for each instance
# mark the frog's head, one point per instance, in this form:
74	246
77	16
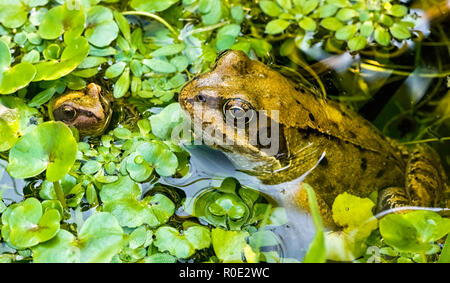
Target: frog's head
88	110
245	92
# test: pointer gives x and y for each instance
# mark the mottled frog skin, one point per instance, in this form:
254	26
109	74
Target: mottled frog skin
357	159
88	110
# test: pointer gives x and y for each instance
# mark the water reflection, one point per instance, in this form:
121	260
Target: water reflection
12	188
208	169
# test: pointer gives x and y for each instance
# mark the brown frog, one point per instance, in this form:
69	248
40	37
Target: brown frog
89	110
332	147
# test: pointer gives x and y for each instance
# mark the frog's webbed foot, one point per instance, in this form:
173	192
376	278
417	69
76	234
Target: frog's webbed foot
426	181
392	197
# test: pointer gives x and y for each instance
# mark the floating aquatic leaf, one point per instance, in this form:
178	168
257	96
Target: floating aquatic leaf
9	127
163	123
28	225
49	146
13	13
355	215
152	5
415	231
77	49
15	77
276	26
229	245
61	19
182	245
102	29
123	200
99	239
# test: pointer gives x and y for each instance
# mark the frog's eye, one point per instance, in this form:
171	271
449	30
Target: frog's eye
69	113
200	97
239	110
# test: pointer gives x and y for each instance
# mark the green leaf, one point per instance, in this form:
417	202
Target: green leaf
124	26
331	23
101	28
50	146
309	6
13	13
123	84
398	10
327	10
270	8
75	52
229	245
400	31
346	32
152	5
415	231
168	50
308	24
9	127
346	14
160	66
165	121
357	43
29	226
100	238
61	19
182	245
366	29
42	97
382	36
276	26
122	199
115	70
339	3
355	215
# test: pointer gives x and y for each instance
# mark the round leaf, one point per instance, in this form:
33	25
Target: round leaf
49	146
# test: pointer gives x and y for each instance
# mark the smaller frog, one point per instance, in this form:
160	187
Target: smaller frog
89	110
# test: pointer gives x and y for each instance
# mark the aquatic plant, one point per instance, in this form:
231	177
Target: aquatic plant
95	200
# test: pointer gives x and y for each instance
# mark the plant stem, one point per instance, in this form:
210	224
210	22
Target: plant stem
153	16
60	194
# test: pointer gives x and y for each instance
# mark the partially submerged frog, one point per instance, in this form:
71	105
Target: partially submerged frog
332	147
89	110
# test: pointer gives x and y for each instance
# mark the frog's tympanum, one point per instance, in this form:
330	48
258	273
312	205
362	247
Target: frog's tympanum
335	148
88	110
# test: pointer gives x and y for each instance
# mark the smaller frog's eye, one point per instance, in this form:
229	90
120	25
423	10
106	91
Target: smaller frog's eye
69	113
201	97
239	110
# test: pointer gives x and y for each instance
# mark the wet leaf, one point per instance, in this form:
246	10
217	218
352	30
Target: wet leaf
182	245
75	52
331	24
49	146
152	5
229	245
123	199
276	26
400	31
382	36
28	225
60	19
102	29
270	8
100	238
415	231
